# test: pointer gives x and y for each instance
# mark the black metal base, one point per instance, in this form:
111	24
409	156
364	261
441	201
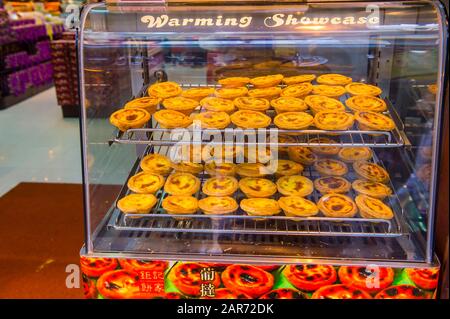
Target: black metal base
71	110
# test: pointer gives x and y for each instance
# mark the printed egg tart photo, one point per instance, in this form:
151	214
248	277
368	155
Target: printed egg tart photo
252	103
356	88
164	90
296	79
332	91
334	79
250	119
320	103
217	104
332	184
297	90
268	93
231	93
129	118
257	187
234	82
288	104
267	81
172	119
212	120
295	185
197	93
337	206
297	206
148	103
218	205
220	186
182	184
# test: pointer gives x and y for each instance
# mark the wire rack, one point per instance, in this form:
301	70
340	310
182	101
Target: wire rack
155	135
240	223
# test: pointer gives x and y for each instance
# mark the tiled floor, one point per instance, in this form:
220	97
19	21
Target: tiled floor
38	144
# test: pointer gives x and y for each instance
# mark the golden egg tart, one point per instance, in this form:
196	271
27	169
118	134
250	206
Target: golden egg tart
136	203
371	103
267	65
250	119
295	185
324	150
372	189
218	205
334	79
260	206
374	121
333	121
180	205
197	93
293	120
298	79
212	120
125	119
172	119
145	183
288	104
164	90
297	206
370	207
252	170
319	103
283	138
332	91
220	186
337	206
353	154
330	167
148	103
297	90
257	187
356	88
432	88
302	155
231	93
220	153
180	104
252	103
220	169
266	81
287	168
254	154
182	184
371	171
156	163
187	167
332	184
217	104
234	82
269	93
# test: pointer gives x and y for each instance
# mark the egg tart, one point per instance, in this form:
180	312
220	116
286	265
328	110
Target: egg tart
362	89
371	171
260	206
266	81
302	155
295	185
187	167
337	206
182	184
220	169
288	104
374	121
293	120
332	184
332	91
164	90
180	205
319	103
330	167
231	93
267	65
283	138
334	79
156	163
252	103
252	170
370	207
197	93
172	119
180	104
148	103
353	154
220	153
125	119
250	119
269	93
217	104
220	186
220	205
298	79
297	90
372	189
257	187
366	103
234	82
296	206
324	150
254	154
432	88
145	183
212	120
136	203
334	121
287	168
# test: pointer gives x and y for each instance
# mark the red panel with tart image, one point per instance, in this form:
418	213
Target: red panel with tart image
310	277
425	278
340	292
402	292
364	278
247	279
186	277
94	267
138	264
120	284
225	293
284	293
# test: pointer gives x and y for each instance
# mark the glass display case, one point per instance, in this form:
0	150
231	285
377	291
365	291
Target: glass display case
329	118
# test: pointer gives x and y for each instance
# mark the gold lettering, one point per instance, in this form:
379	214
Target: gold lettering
231	21
274	21
245	22
152	22
187	21
204	22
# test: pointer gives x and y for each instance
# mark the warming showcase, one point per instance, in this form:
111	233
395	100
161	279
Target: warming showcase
261	150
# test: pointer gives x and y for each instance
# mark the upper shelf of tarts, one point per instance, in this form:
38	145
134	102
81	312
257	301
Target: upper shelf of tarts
292	106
